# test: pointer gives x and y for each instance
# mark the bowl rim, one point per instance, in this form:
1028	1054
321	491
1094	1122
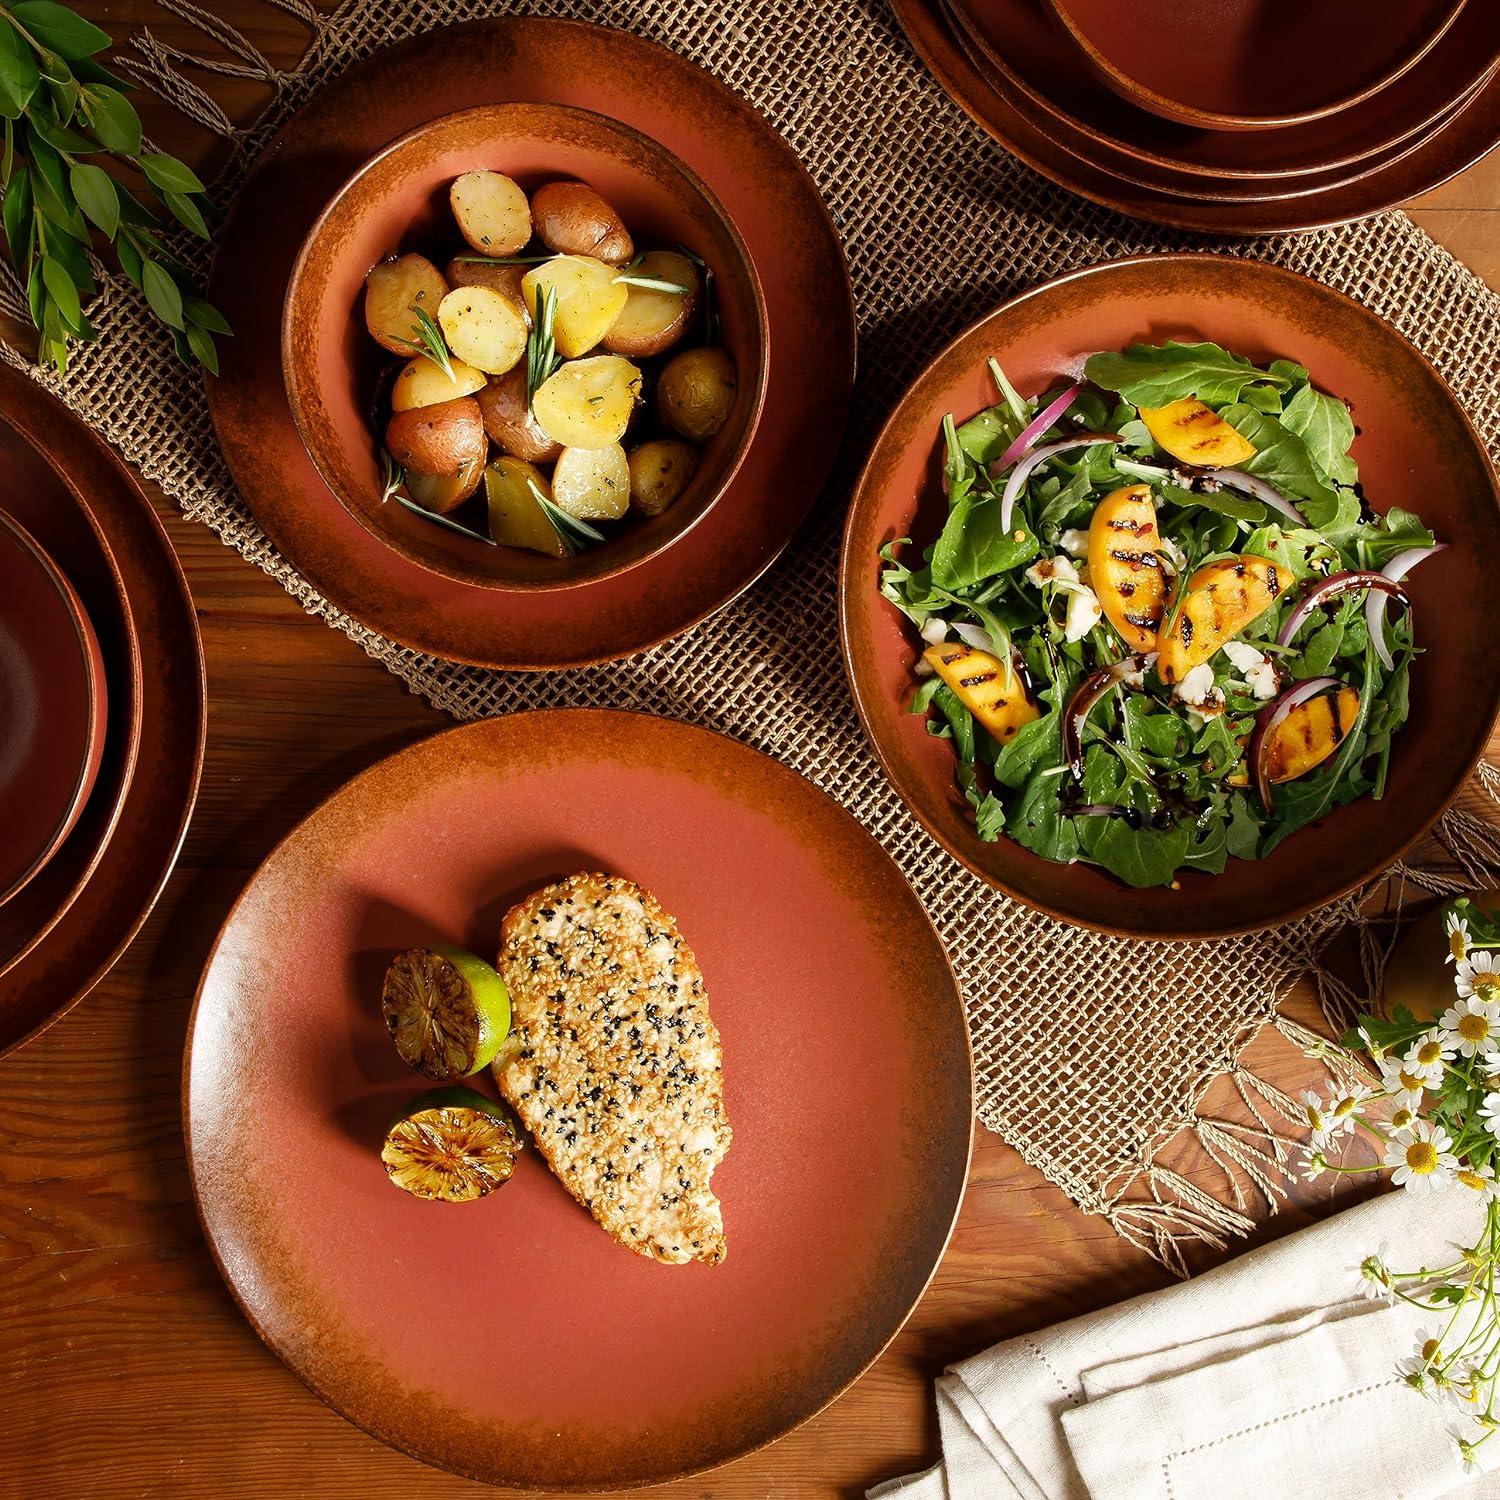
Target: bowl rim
851	576
300	393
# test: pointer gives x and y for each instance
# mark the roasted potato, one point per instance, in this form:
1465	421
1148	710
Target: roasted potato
994	695
592	483
483	328
442	439
695	393
392	290
1222	599
423	383
503	279
509	422
659	472
1310	733
1125	569
589	299
588	402
573	219
1190	431
654	320
492	212
445	492
516	520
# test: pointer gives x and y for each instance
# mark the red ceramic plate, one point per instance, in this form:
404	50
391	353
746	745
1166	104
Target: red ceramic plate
763	188
510	1339
54	706
1472	133
1252	64
1415	446
1034	59
127	877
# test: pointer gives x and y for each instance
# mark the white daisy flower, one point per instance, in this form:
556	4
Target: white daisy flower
1372	1274
1457	929
1489	1112
1314	1165
1476	975
1343	1109
1401	1118
1316	1118
1479	1180
1403	1084
1473	1025
1426	1056
1422	1156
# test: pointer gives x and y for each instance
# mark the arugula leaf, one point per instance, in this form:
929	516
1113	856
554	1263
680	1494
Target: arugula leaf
1155	374
972	546
1398	530
1326	428
985	437
1032	745
1141	856
1037	821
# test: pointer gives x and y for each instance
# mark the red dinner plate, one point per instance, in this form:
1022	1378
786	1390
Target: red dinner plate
764	189
510	1339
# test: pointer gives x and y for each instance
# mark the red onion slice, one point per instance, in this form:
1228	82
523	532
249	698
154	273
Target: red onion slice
1396	569
1022	471
1269	721
1089	692
1257	488
1327	588
1037	426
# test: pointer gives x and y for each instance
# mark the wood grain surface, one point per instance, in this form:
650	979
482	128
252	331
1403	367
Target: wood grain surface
125	1369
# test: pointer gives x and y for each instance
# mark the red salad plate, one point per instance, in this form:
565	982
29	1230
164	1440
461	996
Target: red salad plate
510	1339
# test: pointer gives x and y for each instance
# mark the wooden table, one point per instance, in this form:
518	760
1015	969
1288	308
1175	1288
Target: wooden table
127	1369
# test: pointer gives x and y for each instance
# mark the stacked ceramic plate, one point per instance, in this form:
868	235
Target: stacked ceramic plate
101	708
1239	116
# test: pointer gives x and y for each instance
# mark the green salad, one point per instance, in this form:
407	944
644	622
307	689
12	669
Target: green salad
1161	625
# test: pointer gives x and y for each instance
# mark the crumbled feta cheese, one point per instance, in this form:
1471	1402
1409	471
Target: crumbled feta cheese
934	630
1255	667
1174	554
1052	570
1135	679
1198	691
1083	614
1245	658
1074	542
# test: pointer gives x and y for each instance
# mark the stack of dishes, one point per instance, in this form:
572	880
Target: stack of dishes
1243	116
101	709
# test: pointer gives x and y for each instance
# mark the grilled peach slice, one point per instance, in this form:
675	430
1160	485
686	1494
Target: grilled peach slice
995	696
1188	430
1222	599
1310	733
1125	565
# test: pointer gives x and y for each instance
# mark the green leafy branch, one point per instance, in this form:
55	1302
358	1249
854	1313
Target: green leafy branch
63	112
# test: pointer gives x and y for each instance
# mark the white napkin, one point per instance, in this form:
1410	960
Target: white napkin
1266	1378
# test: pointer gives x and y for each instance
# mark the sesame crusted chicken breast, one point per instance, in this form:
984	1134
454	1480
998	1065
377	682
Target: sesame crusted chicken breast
614	1064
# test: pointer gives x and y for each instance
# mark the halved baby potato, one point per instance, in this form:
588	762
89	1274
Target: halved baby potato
509	421
573	219
695	392
445	492
483	328
592	483
425	383
1309	734
588	402
659	472
589	299
492	212
443	439
995	696
1125	570
393	289
1222	599
654	320
503	279
516	519
1188	430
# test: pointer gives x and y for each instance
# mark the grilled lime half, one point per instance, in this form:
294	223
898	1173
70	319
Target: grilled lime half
447	1010
451	1146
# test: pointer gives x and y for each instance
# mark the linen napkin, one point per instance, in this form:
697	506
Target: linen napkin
1267	1378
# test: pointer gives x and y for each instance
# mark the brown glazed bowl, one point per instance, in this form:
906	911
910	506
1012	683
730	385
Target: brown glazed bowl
1415	447
397	202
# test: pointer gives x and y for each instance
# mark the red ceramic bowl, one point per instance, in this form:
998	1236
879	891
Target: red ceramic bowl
1415	448
53	706
398	201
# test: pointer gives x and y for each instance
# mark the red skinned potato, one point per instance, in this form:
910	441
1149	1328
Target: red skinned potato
509	422
393	290
571	218
445	492
503	279
442	440
492	212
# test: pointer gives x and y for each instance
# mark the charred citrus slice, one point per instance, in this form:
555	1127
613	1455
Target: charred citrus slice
451	1146
447	1011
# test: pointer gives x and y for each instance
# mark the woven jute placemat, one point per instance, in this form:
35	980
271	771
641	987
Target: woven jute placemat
1091	1053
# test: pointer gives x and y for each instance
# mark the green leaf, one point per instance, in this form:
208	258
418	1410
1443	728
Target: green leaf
59	28
202	345
1033	744
1037	821
186	212
19	75
206	316
62	291
169	175
1398	530
985	437
131	262
1283	460
16	214
972	546
94	189
1325	426
1155	374
112	118
61	138
162	293
1141	856
87	70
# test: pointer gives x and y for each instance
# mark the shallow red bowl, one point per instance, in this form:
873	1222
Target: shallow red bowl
53	706
1415	448
398	201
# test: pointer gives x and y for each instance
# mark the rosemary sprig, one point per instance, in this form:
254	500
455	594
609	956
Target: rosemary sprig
709	312
395	476
448	521
504	260
572	532
651	283
541	347
430	341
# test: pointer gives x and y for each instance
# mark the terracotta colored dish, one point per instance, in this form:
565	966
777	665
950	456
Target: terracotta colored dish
1252	64
764	190
511	1340
398	201
54	706
39	494
1030	59
1472	134
120	890
1414	440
